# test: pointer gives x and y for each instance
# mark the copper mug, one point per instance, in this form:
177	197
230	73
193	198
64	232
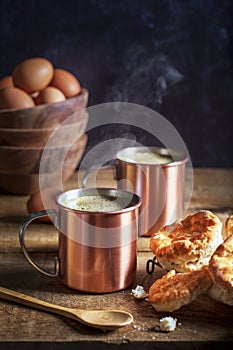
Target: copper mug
97	250
161	187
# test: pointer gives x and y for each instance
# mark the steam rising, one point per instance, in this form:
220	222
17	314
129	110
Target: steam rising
145	77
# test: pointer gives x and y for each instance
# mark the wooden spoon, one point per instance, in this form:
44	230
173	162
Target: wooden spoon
103	319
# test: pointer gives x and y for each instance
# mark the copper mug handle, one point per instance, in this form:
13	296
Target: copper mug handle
22	230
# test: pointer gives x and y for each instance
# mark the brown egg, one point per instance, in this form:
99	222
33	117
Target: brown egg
13	97
49	95
35	203
33	74
66	82
6	81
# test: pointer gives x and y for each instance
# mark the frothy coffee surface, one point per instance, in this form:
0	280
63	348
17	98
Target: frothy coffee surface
96	203
147	158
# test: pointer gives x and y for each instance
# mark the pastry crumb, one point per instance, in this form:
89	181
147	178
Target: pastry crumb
167	324
139	292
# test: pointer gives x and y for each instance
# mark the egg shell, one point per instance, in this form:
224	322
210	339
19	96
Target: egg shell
50	95
35	203
13	97
33	74
66	82
6	81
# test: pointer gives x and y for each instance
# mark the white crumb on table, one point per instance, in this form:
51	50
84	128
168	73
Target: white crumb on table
168	324
139	293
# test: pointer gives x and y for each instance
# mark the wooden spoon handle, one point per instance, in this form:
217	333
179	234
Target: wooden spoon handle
20	298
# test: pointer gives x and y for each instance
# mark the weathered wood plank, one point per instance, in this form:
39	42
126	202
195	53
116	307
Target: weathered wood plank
213	190
202	320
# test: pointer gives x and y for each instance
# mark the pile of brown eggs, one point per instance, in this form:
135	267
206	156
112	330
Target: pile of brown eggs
35	81
35	100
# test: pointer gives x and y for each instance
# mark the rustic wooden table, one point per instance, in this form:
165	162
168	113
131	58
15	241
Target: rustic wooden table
202	323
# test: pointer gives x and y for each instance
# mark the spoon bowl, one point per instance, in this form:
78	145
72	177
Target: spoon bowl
105	319
102	319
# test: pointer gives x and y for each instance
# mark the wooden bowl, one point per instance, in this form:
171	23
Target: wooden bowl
26	160
27	184
39	137
43	116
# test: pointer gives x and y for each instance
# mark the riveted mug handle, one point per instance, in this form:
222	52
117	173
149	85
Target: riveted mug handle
22	230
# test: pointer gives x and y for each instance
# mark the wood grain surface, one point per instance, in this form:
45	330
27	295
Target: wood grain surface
19	180
44	116
201	324
38	137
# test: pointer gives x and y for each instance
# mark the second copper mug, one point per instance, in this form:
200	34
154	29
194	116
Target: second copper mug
97	249
161	186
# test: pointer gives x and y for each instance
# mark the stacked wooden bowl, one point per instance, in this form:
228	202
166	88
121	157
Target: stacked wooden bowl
26	133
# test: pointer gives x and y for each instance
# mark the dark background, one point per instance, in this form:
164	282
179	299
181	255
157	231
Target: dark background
172	56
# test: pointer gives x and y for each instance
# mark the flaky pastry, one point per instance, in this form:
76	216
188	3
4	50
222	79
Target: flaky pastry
174	290
188	245
229	226
221	271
